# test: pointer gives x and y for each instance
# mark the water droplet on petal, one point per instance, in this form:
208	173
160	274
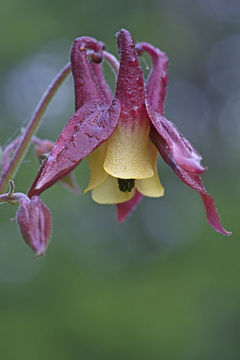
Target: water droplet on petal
133	61
80	82
124	114
165	79
140	81
128	94
134	111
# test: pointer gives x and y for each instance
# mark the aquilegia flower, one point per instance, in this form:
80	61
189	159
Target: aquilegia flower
121	136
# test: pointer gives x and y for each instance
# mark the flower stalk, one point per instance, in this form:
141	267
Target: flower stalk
11	197
112	61
32	127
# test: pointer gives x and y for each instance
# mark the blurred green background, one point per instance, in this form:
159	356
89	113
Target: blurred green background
163	285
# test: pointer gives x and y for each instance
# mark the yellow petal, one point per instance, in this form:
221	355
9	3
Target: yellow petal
127	152
108	192
95	162
151	187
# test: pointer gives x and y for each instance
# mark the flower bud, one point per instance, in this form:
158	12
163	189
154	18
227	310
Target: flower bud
34	221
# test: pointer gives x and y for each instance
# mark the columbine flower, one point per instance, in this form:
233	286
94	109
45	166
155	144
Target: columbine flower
120	137
34	221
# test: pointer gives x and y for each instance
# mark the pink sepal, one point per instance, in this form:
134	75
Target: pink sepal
130	83
104	89
88	128
158	78
85	85
191	180
179	147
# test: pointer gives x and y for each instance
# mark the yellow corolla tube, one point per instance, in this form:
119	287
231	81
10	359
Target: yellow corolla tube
127	155
109	193
107	189
95	161
151	187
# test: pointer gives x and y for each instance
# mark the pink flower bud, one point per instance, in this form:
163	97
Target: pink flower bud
34	221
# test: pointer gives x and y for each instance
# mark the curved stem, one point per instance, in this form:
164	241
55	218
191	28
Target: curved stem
14	199
32	127
8	151
110	58
11	197
112	61
9	172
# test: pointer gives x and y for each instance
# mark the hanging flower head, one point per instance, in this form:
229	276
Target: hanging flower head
122	135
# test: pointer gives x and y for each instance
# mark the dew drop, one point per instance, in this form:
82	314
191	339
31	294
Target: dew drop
134	111
80	82
140	81
128	94
133	61
124	114
165	80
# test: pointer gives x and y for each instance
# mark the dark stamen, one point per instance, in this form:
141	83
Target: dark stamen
126	185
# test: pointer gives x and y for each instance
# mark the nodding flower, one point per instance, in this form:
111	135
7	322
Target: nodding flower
121	135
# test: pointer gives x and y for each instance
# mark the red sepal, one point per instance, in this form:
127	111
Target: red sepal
130	82
179	147
85	85
157	81
191	180
104	89
88	128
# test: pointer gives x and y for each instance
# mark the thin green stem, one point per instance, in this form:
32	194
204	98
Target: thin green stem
32	128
